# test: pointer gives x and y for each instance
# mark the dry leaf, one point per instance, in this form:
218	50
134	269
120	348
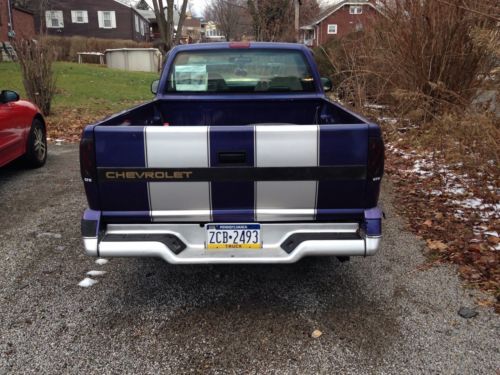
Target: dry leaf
428	223
485	302
436	245
493	240
439	216
316	333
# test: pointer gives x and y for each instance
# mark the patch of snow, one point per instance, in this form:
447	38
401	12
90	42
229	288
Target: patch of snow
497	247
470	203
491	233
456	184
96	273
375	106
421	167
485	211
456	190
101	261
389	120
87	282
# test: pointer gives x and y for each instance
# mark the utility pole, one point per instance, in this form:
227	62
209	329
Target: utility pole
297	18
10	22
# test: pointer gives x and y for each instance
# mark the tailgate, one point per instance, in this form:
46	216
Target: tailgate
247	173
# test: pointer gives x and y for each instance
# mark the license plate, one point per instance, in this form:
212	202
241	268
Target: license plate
236	236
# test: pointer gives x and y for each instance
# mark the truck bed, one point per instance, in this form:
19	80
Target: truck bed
223	112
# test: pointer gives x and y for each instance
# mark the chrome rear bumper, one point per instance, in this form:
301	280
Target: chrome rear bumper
317	239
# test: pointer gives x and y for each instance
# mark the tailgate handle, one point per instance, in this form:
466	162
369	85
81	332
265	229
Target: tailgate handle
232	157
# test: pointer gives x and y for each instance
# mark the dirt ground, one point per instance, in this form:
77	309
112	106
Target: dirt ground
384	314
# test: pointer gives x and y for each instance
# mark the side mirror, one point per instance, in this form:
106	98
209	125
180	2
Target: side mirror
154	86
7	96
327	84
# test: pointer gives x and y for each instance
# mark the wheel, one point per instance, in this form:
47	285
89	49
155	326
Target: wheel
36	151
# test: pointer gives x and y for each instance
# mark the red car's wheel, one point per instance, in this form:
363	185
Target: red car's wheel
36	154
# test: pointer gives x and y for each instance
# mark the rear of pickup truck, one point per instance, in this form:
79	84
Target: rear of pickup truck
239	159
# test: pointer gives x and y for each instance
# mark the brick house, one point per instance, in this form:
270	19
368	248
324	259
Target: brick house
191	29
338	21
94	18
15	22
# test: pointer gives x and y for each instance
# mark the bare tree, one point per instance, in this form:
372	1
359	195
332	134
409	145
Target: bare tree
271	18
231	16
166	24
142	5
35	60
182	17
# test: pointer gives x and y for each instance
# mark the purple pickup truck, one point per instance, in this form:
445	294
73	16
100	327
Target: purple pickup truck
240	158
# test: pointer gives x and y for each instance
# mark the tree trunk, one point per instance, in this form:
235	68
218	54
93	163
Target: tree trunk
182	17
162	25
297	17
169	24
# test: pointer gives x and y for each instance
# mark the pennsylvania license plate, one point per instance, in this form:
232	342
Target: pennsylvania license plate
236	236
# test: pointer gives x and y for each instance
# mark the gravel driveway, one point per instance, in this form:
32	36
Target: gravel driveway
378	315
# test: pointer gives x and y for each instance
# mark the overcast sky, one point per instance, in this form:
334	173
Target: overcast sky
197	6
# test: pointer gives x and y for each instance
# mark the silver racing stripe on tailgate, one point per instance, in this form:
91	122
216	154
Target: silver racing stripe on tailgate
178	147
286	146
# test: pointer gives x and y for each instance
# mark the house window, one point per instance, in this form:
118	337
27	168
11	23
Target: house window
79	16
355	9
359	27
107	19
213	33
54	19
142	28
136	20
332	29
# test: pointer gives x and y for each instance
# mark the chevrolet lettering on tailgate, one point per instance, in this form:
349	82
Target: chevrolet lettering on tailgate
240	158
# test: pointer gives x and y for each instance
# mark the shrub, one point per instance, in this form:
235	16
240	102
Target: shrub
66	48
35	59
429	62
425	54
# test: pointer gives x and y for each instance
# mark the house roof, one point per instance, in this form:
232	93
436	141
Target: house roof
122	2
147	14
21	9
332	9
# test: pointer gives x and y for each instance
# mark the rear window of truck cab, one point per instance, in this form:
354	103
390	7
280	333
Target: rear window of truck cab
240	71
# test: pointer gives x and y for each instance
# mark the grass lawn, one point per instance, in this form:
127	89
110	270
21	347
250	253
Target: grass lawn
88	86
85	93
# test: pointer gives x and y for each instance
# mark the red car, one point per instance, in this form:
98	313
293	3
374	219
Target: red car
22	131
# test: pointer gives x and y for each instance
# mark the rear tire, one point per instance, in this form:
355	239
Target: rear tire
36	151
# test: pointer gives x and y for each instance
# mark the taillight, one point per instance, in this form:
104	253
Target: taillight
87	157
375	158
